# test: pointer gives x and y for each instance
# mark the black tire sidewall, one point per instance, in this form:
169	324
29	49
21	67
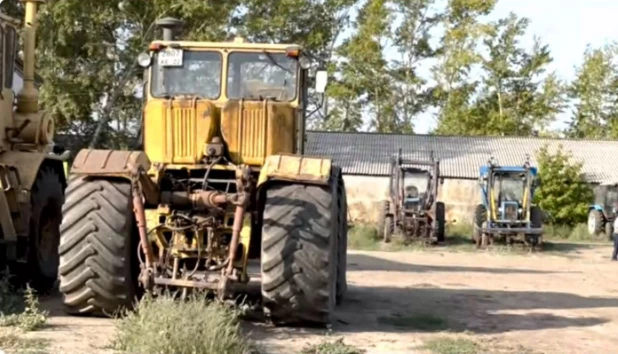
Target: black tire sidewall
47	195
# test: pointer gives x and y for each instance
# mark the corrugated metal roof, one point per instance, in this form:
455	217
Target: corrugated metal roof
460	157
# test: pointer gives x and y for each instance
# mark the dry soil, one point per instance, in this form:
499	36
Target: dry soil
533	303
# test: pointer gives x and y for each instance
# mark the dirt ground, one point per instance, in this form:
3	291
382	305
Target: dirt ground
532	303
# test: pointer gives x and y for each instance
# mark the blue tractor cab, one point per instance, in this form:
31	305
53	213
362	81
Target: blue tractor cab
602	213
506	208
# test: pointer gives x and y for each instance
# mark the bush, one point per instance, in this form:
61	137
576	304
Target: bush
165	325
363	237
19	309
332	347
563	193
578	232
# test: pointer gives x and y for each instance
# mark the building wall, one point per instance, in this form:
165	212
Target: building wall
365	193
460	197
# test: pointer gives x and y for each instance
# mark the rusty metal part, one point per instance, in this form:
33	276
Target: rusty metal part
239	213
146	278
205	284
197	200
140	217
221	285
243	186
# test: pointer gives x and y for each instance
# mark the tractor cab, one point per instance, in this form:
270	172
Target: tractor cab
602	213
235	101
506	209
416	182
412	206
508	188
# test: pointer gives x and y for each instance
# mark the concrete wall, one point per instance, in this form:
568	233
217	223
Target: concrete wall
365	193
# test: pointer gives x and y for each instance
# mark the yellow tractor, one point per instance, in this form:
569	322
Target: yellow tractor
220	198
31	168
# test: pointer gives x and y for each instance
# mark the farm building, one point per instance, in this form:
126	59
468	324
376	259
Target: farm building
364	160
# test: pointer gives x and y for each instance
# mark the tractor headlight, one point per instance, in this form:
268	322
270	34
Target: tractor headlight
305	63
144	60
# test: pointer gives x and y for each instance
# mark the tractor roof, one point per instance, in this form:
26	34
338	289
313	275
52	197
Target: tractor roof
237	44
485	169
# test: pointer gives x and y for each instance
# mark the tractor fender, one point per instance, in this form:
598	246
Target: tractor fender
296	168
28	165
117	164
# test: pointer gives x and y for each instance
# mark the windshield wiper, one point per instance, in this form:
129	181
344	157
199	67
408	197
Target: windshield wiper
274	62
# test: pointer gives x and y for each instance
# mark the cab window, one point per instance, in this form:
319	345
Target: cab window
260	75
198	75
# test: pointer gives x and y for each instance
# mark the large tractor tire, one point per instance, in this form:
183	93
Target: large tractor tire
440	221
299	253
342	281
480	216
536	221
98	272
46	199
595	222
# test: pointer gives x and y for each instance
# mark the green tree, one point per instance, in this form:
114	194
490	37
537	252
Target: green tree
364	79
411	38
87	50
595	94
563	192
516	96
458	56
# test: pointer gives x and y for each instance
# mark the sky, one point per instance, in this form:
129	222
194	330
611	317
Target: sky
567	26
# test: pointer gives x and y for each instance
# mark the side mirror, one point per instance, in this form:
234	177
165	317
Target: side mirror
321	79
144	60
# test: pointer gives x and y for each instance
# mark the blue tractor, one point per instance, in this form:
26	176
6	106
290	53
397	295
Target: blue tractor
602	213
506	209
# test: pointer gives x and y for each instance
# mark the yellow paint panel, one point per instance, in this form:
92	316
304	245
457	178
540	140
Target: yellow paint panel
255	130
296	168
176	131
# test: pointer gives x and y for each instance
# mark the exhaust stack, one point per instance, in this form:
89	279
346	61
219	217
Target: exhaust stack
28	97
170	27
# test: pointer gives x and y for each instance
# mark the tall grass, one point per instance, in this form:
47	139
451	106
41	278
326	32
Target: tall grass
576	233
164	325
363	237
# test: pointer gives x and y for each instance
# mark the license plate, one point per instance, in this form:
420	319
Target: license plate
170	57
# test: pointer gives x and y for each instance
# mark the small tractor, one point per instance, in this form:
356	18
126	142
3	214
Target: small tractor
506	209
31	167
219	198
412	207
602	213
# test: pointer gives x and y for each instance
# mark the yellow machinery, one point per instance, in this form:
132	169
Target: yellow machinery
31	170
221	184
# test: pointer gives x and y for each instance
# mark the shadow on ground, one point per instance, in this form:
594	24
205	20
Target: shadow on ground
365	262
429	308
462	242
409	309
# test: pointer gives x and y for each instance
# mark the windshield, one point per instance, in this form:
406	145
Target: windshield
198	75
509	187
262	75
415	184
612	197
